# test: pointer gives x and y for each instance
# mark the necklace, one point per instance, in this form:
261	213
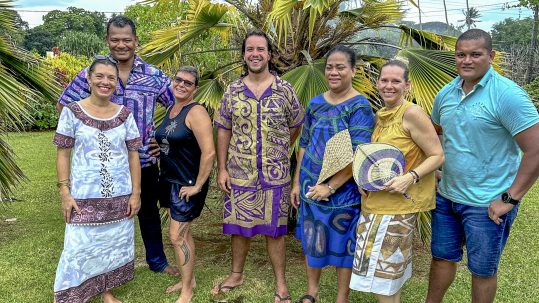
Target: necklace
338	98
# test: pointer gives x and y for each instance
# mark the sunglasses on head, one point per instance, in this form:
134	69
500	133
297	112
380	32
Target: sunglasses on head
103	57
187	83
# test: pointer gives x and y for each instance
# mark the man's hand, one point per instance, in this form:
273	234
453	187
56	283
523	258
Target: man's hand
154	150
223	180
497	209
133	205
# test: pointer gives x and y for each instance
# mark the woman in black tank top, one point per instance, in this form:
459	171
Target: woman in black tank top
187	153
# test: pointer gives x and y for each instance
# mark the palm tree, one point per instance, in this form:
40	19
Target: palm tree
302	32
471	17
23	79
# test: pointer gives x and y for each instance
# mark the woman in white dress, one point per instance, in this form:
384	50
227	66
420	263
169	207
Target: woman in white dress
99	190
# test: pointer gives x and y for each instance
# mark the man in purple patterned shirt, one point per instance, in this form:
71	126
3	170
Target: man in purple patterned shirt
140	86
259	117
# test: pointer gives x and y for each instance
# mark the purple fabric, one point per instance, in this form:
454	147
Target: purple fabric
145	86
260	142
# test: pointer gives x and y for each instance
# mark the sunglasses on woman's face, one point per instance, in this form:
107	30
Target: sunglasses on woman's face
186	83
103	57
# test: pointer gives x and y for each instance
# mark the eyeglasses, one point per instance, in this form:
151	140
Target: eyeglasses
187	83
103	57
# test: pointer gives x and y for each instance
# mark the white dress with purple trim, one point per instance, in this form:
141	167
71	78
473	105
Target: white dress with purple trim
99	243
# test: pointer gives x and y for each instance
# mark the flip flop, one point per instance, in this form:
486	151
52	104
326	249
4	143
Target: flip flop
307	297
223	289
283	299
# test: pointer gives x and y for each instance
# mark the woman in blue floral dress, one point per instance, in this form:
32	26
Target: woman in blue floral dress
328	212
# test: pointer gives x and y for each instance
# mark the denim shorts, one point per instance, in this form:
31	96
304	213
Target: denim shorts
182	210
455	225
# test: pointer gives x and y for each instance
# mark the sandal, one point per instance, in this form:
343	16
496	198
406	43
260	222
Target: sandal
283	299
307	297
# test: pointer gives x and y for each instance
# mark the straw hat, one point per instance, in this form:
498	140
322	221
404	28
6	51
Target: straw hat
337	155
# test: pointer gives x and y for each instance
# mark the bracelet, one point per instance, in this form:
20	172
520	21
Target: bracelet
61	183
415	175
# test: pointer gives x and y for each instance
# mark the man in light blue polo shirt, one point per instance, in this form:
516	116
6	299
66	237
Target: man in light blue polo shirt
490	133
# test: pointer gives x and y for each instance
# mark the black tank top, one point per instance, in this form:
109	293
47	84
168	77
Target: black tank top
180	153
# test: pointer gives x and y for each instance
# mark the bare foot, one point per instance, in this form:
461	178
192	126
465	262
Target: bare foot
107	297
178	287
232	281
171	270
185	298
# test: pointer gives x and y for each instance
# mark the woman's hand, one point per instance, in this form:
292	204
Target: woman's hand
399	184
294	195
319	192
68	203
133	205
362	192
188	191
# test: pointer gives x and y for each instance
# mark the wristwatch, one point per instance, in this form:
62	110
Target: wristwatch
506	198
331	189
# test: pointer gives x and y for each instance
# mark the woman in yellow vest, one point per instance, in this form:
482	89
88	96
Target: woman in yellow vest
383	257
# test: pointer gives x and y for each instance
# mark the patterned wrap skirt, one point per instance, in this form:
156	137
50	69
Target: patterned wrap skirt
383	257
261	212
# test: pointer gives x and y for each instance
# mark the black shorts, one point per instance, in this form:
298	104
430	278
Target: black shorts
180	209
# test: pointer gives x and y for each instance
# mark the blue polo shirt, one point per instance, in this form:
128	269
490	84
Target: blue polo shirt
481	155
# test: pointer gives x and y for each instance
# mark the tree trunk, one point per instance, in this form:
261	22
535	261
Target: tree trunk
533	44
467	17
445	10
420	23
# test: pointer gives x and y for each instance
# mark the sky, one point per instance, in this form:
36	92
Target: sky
491	11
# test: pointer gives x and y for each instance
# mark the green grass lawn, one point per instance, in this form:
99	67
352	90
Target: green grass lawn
30	248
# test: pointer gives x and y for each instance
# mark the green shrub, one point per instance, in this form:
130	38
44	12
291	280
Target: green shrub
533	90
66	67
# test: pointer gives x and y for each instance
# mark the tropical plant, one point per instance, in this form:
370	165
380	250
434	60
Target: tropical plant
471	17
23	79
81	43
301	33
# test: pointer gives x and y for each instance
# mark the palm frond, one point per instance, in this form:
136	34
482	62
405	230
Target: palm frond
308	80
202	16
430	70
425	39
374	13
210	93
10	174
423	226
280	18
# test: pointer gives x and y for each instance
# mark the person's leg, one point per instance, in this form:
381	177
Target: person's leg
484	289
276	249
442	273
446	248
396	298
313	281
150	221
343	283
107	297
485	242
184	249
240	248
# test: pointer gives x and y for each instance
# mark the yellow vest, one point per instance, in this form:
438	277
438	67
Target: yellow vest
389	129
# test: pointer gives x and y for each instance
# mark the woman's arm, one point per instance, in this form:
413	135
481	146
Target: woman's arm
294	194
200	123
62	171
134	170
424	135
